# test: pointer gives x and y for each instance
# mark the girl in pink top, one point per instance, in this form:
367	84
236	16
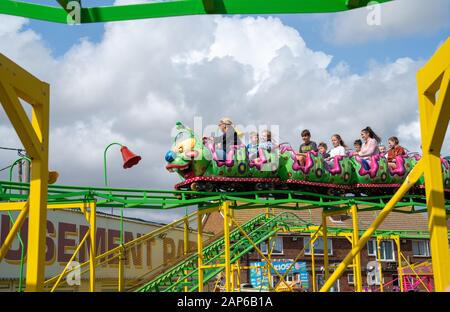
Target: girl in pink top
371	141
370	146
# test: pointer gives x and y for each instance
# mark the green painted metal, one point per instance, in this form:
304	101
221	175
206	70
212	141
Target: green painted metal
19	236
58	13
258	229
163	199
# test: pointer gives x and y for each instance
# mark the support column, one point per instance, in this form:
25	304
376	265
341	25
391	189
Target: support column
121	268
325	246
434	108
313	265
200	251
358	277
186	246
226	233
380	267
411	179
92	247
399	259
15	82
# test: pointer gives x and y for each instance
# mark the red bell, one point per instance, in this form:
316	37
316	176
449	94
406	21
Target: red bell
129	158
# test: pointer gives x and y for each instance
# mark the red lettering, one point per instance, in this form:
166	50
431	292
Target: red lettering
50	244
113	237
64	243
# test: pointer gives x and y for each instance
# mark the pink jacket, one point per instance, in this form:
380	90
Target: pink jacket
369	148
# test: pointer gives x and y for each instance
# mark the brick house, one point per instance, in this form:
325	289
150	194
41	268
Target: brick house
288	245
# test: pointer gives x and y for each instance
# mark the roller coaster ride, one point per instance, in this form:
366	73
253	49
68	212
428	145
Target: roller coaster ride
15	82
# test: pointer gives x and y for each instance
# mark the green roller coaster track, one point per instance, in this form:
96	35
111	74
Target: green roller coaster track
63	13
258	229
166	199
185	273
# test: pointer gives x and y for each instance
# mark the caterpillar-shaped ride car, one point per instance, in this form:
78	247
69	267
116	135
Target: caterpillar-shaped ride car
197	164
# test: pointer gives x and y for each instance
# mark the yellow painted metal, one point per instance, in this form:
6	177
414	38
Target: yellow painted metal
112	253
300	254
411	266
68	263
399	260
211	266
380	267
313	265
270	246
238	278
11	206
186	246
15	228
92	247
16	82
434	108
200	251
216	284
121	272
233	277
410	180
261	254
355	238
226	233
325	246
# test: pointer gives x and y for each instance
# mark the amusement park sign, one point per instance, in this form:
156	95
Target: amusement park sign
66	228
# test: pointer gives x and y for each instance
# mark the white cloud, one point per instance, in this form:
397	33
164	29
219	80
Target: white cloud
397	18
143	76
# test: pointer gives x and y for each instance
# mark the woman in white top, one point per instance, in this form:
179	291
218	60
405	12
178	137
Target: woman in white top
338	148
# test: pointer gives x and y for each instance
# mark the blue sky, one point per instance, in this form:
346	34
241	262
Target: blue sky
419	45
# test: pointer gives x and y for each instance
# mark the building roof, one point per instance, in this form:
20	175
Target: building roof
394	221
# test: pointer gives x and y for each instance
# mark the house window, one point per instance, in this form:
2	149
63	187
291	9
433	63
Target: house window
320	281
351	279
420	248
276	246
318	246
386	249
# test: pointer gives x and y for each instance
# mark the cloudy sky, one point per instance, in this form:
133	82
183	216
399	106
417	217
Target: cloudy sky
129	82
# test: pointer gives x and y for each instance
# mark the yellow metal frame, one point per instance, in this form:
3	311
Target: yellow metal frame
434	108
119	251
15	83
380	266
433	79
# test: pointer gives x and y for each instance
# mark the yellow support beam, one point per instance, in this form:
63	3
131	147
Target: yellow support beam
186	247
92	247
399	259
12	233
16	82
200	251
355	238
313	263
226	233
380	267
325	246
410	180
434	108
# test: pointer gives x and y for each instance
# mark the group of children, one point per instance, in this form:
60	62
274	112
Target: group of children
365	148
